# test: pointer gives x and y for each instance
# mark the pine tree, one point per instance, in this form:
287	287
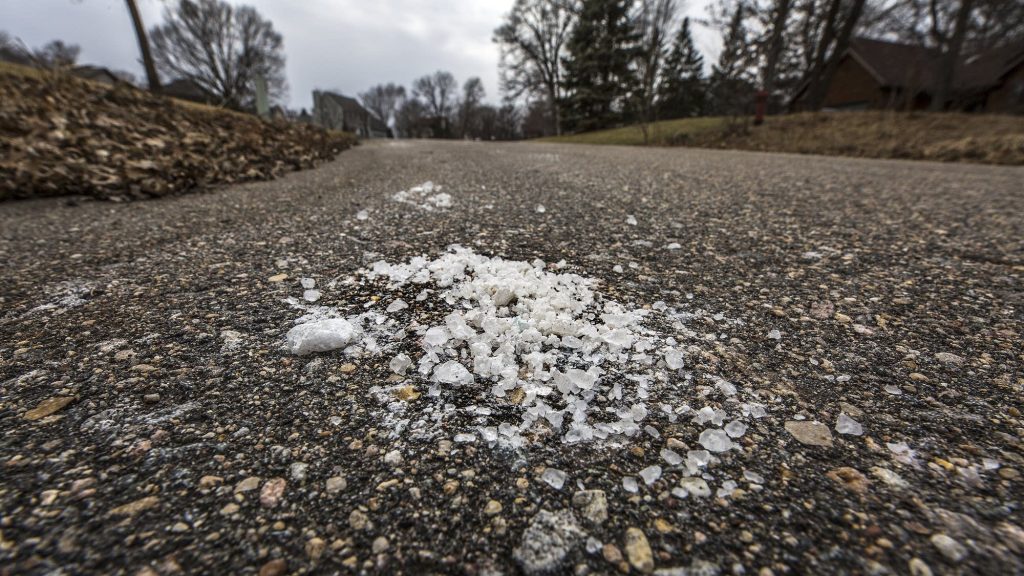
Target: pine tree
682	91
598	72
731	86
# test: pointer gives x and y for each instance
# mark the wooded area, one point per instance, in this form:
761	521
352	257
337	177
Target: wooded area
602	63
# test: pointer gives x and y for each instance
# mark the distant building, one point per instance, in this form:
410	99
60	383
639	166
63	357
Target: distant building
185	89
98	74
336	112
877	74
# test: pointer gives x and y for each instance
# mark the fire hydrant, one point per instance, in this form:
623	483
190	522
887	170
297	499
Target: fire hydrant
760	103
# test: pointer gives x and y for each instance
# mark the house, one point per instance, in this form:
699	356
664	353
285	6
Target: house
185	89
337	112
97	74
877	74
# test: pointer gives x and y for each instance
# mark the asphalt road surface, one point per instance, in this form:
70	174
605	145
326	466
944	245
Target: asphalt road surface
849	399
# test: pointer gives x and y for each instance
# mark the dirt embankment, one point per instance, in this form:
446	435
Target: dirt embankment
62	136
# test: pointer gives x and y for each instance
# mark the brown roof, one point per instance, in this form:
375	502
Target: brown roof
912	66
187	89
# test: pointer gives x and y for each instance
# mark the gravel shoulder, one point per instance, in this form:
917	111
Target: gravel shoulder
153	421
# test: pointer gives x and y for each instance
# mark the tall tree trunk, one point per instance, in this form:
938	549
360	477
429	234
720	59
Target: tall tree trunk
147	56
947	69
771	61
556	108
826	66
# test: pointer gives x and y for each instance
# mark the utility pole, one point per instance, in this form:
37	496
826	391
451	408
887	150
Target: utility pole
147	56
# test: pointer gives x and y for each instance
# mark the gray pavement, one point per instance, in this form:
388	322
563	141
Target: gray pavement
153	420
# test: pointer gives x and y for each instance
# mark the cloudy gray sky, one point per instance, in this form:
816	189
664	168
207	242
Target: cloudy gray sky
343	45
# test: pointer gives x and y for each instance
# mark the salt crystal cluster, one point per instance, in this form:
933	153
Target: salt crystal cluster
515	352
426	196
520	329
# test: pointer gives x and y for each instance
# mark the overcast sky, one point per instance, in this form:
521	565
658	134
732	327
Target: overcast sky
342	45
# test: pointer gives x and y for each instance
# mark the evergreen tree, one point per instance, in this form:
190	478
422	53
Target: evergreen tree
682	91
732	89
598	71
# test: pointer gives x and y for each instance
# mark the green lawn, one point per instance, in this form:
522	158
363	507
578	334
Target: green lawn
660	132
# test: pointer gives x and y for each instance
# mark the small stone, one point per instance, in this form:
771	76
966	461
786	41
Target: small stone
357	520
850	478
347	368
151	398
315	548
250	483
1008	473
270	495
592	504
393	458
918	567
676	444
638	551
48	407
298	471
547	541
210	481
948	547
407	393
133	508
918	377
888	477
811	433
277	278
380	544
842	318
276	567
611	553
663	526
335	484
450	487
949	358
179	527
493	507
229	509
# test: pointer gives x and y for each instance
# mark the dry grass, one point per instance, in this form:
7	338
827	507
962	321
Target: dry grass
981	138
660	133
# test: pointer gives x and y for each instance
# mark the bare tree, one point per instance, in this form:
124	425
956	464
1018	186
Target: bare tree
412	119
437	91
951	55
384	100
12	50
56	54
776	40
654	22
147	57
222	48
533	43
469	107
839	22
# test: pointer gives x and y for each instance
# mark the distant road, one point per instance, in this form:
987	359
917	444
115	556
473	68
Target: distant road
153	422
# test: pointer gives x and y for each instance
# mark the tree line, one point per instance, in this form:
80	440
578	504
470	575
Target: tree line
600	63
437	107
